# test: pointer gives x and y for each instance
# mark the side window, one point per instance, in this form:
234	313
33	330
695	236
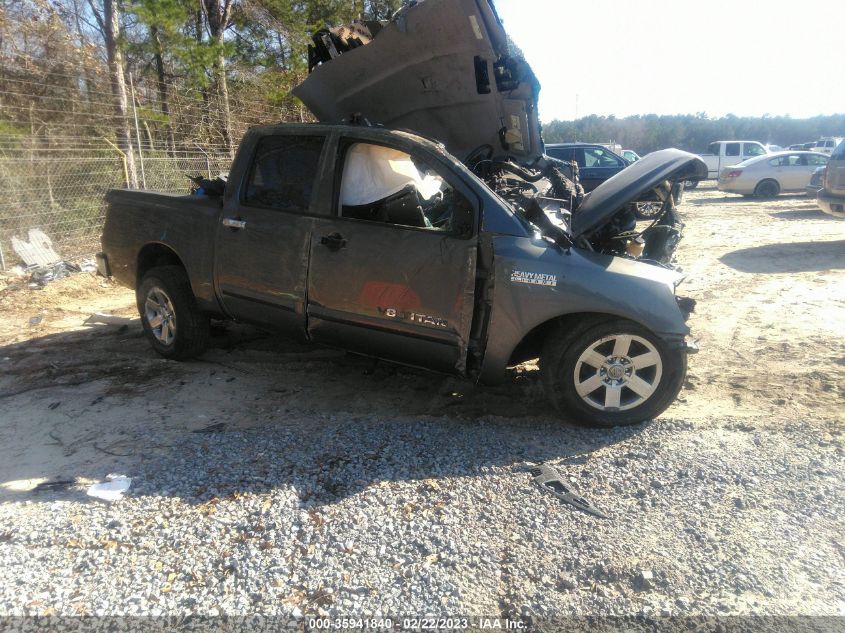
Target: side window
283	172
752	149
780	161
839	152
713	148
561	153
732	149
817	160
382	184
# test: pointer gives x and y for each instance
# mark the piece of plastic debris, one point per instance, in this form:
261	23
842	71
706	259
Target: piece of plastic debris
549	479
36	319
38	251
88	266
111	490
99	318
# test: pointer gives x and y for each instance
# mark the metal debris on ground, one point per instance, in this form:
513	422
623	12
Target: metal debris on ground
550	479
111	490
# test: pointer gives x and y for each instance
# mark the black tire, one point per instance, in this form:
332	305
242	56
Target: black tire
165	292
562	356
767	189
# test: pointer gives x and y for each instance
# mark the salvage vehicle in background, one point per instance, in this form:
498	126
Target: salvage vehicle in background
767	176
596	163
723	154
831	199
465	254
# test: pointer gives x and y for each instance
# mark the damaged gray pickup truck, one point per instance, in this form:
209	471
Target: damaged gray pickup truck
463	255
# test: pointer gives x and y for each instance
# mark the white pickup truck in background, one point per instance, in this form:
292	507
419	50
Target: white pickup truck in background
726	153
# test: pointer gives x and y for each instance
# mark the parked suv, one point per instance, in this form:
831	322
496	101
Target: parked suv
831	198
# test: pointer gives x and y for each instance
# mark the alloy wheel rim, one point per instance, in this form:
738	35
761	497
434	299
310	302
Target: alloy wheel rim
618	372
160	315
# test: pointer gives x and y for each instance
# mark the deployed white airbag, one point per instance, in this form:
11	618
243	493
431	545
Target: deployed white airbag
374	172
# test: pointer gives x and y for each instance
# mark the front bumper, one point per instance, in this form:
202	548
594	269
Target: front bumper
832	205
103	267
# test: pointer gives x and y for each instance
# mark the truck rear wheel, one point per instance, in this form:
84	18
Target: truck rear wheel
613	373
169	314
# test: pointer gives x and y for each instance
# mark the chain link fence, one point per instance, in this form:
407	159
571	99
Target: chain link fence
63	193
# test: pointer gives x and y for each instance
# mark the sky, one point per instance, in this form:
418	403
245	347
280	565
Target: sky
625	57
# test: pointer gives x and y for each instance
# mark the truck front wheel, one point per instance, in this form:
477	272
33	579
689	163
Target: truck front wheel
169	315
613	373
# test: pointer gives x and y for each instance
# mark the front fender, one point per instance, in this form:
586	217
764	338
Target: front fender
536	283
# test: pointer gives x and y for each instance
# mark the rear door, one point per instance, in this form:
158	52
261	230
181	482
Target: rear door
731	155
794	172
393	271
265	234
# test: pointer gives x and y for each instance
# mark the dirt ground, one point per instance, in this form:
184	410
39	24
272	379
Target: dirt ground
81	390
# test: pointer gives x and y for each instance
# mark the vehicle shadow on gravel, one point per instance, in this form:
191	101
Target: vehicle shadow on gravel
256	413
792	257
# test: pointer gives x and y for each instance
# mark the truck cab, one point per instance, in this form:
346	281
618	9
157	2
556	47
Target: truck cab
726	153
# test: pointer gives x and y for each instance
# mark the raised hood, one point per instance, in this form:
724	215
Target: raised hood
439	68
632	183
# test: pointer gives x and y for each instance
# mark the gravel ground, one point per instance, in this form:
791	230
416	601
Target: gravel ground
270	478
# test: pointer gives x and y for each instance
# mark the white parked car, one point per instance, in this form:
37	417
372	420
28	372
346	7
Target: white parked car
767	176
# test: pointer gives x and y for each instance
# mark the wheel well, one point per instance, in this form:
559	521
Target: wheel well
154	255
777	184
532	343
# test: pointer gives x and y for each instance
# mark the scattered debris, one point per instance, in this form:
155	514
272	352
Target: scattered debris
111	490
38	251
100	318
53	406
36	319
549	479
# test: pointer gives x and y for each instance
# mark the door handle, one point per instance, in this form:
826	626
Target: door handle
333	242
234	223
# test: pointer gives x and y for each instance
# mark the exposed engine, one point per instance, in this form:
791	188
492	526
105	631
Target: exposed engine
549	195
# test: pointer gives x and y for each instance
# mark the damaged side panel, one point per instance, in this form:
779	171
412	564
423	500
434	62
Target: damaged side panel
440	68
398	294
